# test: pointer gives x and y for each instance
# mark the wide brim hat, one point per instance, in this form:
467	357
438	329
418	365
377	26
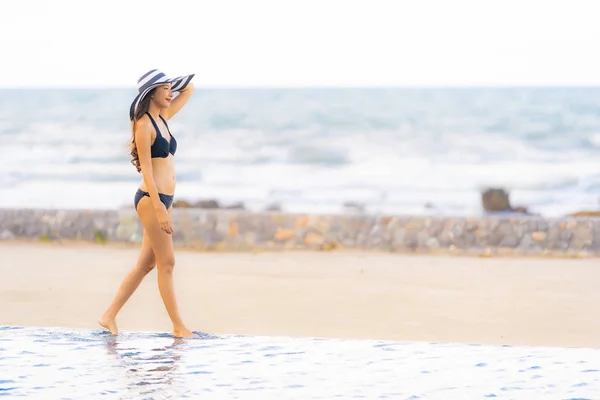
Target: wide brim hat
155	78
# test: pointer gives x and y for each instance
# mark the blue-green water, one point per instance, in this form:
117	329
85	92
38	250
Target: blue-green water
56	363
401	150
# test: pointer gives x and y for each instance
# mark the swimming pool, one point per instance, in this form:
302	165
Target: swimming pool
56	363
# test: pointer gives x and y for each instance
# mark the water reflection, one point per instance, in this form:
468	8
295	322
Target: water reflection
146	371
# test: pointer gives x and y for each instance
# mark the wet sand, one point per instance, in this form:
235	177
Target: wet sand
529	301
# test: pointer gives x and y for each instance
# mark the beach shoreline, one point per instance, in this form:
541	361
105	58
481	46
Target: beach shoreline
443	252
338	294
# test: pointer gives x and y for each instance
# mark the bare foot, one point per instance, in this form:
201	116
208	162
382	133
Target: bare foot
184	333
109	324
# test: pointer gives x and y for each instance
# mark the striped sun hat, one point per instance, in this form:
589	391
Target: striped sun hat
152	79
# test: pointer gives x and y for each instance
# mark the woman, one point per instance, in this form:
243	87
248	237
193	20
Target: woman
152	149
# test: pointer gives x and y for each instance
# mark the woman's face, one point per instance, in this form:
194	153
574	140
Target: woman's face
163	96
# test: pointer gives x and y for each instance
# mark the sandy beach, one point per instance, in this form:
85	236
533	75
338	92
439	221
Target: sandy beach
533	301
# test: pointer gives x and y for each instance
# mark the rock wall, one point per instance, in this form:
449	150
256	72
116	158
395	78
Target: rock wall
235	230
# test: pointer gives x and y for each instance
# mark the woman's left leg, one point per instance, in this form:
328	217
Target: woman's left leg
146	263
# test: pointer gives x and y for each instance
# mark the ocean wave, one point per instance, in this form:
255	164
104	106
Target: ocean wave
314	155
390	148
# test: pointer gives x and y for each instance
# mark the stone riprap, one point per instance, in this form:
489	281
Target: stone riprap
235	230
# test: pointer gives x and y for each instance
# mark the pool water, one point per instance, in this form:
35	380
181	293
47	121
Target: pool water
57	363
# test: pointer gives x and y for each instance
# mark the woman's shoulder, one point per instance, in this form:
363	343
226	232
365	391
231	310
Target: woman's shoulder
144	121
144	125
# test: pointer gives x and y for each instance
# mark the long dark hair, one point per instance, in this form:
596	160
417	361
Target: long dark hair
139	113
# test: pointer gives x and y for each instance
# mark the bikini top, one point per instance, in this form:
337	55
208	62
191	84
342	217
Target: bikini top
161	146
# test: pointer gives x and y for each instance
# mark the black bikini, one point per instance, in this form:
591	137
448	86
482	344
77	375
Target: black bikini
166	199
159	149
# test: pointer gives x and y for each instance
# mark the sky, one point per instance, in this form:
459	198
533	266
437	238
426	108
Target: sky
291	43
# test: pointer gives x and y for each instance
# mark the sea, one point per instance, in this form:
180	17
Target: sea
418	151
60	363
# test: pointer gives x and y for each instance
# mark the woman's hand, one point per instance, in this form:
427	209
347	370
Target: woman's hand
163	220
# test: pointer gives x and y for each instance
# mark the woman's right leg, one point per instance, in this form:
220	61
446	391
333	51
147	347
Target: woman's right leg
162	245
